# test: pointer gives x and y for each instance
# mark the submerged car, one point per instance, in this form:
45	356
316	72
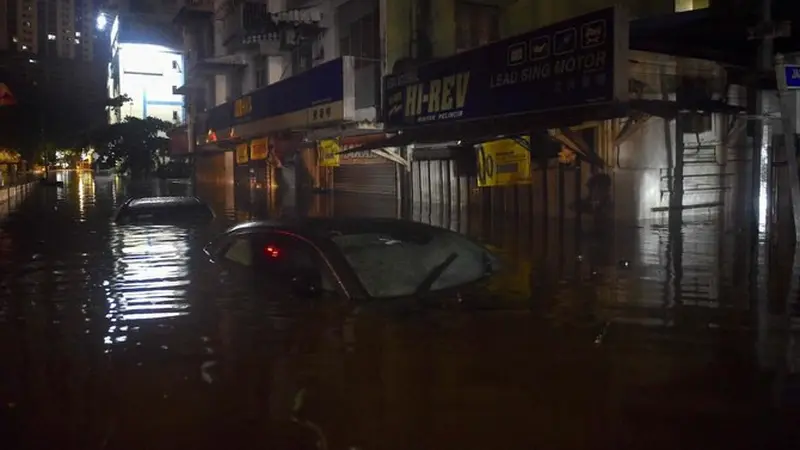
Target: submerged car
357	259
163	210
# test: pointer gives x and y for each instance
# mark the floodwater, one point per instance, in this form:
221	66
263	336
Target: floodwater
118	337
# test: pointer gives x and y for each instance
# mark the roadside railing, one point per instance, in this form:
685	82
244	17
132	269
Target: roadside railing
12	195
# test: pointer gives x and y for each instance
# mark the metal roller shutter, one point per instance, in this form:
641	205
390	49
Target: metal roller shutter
369	179
210	167
359	205
365	190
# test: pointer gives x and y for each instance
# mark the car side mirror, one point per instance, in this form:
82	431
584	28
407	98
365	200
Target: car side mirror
307	283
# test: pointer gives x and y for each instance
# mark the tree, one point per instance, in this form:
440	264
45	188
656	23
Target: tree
134	144
43	119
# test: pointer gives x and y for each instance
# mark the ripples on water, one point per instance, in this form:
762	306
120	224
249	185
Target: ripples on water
123	337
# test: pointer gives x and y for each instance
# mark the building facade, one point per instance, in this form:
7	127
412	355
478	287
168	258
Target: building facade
147	67
239	56
49	28
268	81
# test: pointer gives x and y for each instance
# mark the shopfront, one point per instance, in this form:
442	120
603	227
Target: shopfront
500	129
364	183
266	128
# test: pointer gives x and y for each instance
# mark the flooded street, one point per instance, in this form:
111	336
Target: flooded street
126	337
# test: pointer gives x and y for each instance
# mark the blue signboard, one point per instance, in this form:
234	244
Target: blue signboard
320	85
568	64
791	73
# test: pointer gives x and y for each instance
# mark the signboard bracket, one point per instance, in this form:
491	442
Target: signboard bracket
392	156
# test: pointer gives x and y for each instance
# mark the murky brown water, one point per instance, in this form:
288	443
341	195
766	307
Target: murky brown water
125	338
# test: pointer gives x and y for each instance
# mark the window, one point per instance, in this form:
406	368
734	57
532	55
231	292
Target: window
277	257
261	71
690	5
301	58
362	40
476	25
240	252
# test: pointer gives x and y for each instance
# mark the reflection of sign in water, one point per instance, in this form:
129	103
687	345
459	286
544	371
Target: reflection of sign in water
328	153
572	63
503	163
242	156
258	149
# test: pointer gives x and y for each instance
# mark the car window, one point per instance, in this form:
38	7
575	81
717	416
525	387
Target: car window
240	251
391	265
281	256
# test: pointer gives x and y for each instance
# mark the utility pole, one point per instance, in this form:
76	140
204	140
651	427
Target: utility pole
760	160
788	77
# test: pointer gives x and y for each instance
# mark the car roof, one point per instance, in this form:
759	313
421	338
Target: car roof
325	226
163	202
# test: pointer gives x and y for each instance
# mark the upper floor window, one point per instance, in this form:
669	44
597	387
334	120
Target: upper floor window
476	25
691	5
261	71
362	40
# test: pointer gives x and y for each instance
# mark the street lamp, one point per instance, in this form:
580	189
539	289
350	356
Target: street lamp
102	21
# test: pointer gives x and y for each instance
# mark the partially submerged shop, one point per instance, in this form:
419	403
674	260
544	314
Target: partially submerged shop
366	183
265	133
530	125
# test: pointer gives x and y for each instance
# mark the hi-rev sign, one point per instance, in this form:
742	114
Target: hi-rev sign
574	63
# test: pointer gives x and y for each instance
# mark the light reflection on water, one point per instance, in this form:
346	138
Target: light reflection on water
150	276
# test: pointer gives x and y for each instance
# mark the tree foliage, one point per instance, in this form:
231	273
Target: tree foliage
43	120
134	144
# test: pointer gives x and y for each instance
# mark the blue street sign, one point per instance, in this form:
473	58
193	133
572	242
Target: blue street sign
791	73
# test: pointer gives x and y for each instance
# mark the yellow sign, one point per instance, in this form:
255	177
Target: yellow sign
242	107
503	163
258	149
242	154
329	153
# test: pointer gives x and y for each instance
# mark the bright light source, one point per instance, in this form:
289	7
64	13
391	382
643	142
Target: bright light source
102	21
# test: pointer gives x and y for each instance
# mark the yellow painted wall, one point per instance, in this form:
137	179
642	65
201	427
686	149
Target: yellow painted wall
398	30
526	15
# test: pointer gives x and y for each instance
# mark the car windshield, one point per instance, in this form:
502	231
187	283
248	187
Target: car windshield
391	266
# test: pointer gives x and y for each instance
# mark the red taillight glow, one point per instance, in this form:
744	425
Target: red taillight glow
272	251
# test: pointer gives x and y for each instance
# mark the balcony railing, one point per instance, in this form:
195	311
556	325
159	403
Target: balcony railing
250	21
194	10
